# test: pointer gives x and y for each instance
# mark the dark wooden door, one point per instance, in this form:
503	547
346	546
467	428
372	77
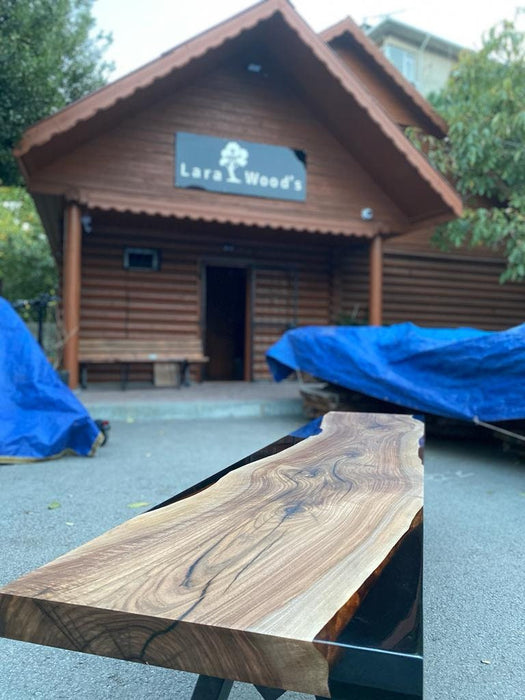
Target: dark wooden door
226	322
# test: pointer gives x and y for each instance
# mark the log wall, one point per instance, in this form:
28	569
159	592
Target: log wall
290	284
428	287
351	279
295	280
454	288
433	290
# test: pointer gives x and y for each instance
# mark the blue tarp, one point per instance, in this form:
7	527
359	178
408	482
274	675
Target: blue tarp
457	373
40	417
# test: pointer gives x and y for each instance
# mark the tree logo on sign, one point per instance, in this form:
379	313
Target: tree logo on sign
233	156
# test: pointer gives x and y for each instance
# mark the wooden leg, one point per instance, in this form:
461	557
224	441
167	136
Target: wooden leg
124	374
185	373
210	688
83	376
269	693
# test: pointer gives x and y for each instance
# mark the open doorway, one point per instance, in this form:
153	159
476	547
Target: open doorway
226	322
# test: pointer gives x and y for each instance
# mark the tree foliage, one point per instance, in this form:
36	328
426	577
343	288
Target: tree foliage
27	268
50	55
484	152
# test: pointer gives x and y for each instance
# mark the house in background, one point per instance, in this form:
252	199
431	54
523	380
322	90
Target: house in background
421	283
423	59
255	178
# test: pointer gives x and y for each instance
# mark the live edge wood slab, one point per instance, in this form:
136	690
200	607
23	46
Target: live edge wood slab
247	579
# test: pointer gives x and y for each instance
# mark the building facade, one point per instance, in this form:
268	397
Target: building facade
421	283
423	59
251	180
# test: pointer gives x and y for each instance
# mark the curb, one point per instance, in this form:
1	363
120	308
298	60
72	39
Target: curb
194	410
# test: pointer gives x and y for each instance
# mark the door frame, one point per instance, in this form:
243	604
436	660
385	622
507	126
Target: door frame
248	266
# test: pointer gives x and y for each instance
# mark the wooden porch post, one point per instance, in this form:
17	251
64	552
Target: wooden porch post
375	294
71	290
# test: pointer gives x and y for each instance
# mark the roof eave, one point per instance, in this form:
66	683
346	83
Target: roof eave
349	27
104	98
124	87
437	182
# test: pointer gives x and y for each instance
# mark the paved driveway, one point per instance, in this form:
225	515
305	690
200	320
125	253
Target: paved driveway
474	554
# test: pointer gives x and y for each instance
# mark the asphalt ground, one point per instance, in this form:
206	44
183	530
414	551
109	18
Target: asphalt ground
474	554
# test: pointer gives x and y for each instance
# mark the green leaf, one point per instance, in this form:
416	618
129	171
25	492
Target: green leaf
138	504
27	268
53	505
50	56
484	153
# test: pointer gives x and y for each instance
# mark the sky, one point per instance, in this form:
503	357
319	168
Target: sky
143	29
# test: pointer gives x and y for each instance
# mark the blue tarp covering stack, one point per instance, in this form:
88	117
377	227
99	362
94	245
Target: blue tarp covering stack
457	373
40	417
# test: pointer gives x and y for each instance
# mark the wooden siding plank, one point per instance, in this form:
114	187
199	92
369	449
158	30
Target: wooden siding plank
450	292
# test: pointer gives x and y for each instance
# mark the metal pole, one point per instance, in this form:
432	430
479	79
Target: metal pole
42	306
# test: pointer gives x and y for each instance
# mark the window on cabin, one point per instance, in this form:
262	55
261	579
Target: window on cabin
403	60
141	259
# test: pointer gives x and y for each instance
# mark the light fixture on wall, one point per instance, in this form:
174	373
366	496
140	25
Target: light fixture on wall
87	224
257	69
367	214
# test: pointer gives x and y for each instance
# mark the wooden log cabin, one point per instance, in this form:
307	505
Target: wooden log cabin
253	179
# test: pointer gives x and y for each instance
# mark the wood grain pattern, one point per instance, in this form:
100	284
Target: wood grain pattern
238	580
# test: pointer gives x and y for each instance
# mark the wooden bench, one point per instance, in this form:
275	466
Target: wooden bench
297	568
180	351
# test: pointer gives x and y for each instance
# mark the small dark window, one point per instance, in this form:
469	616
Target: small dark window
141	259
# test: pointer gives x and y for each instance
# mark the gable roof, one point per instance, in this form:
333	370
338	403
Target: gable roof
347	106
348	30
123	88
